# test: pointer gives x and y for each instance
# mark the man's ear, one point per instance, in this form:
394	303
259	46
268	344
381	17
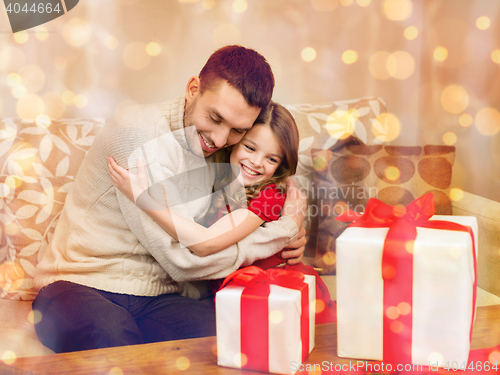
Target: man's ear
192	88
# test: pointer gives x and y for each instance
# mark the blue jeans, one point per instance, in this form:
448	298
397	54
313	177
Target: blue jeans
77	317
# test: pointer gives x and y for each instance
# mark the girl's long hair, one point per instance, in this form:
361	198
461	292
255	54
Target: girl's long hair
284	128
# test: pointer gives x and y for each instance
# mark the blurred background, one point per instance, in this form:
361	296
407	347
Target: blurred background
436	63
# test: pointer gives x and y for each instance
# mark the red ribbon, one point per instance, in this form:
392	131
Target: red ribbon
255	311
397	263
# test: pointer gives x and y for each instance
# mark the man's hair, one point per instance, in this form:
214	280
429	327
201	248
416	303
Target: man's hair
244	69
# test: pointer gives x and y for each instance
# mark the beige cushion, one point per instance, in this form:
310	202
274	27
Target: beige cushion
41	162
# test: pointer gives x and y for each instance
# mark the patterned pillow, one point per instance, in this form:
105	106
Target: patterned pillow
30	212
333	124
39	163
347	177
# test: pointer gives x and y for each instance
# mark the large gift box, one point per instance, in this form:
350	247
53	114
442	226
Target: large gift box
406	284
265	319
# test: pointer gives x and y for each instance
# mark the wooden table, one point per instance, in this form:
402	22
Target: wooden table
197	356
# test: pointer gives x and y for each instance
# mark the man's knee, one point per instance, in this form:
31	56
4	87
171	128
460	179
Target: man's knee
74	317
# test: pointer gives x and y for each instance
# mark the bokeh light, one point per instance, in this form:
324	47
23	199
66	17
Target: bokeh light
60	62
308	54
392	173
21	37
363	3
13	79
386	127
153	49
483	23
396	326
32	77
435	358
465	120
400	65
495	56
240	360
12	229
34	316
329	258
43	121
404	308
397	10
68	97
41	33
182	363
449	138
207	4
454	99
54	105
411	33
456	194
349	56
378	65
226	34
116	371
30	107
81	101
440	53
494	357
135	56
275	317
324	5
319	306
4	190
410	246
11	274
455	252
77	32
488	121
19	91
111	42
392	312
319	163
240	6
346	3
9	357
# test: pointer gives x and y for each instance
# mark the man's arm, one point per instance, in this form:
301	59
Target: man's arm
182	265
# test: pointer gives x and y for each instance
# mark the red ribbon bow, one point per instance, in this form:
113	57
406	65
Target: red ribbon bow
397	262
255	311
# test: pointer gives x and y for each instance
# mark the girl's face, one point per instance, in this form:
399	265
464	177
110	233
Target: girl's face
258	155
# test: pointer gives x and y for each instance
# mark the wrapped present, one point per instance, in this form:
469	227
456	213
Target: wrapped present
265	319
406	284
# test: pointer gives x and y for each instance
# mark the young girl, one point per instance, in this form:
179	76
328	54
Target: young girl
265	157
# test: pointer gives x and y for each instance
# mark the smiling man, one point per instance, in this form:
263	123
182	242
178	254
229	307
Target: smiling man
111	276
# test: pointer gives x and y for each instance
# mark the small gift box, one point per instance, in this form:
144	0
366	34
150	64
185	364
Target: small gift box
265	319
406	284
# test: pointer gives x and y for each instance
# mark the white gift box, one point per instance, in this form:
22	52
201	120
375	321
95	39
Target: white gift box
442	293
284	341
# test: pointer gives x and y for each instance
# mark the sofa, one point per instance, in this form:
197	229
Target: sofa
40	159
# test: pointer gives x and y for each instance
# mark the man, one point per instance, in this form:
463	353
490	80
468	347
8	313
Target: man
111	276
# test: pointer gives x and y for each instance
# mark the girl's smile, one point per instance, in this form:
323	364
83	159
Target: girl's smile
258	155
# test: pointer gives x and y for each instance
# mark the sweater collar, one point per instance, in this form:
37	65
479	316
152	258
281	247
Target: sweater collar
174	113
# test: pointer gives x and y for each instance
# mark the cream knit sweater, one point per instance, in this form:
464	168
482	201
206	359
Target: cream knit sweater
103	240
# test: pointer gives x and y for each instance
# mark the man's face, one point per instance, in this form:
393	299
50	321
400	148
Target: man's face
221	116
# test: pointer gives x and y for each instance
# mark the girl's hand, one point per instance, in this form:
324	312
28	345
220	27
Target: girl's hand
129	184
